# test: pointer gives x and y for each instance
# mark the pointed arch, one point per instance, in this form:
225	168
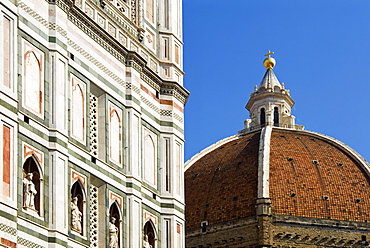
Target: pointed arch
78	110
115	225
115	136
78	206
78	190
33	81
33	186
150	233
115	210
150	170
37	164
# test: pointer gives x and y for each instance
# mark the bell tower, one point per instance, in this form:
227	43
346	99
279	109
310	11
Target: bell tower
270	104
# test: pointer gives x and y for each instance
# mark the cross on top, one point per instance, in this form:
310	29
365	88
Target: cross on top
269	53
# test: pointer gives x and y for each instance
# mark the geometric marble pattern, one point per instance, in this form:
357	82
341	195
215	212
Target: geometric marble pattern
8	229
178	117
165	112
94	216
27	243
151	105
93	125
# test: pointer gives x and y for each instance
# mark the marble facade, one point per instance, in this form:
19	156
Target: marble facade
92	115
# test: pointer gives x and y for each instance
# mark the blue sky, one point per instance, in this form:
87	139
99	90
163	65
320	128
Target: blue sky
322	51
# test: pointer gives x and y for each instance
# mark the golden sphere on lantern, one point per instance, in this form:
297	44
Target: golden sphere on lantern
269	63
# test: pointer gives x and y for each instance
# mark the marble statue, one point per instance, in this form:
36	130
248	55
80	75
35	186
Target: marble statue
29	192
76	216
113	234
146	242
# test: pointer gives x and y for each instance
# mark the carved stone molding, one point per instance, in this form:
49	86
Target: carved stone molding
174	89
90	28
112	46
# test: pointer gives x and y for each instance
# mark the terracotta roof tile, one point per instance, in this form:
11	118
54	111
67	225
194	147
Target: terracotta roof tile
326	181
309	177
222	185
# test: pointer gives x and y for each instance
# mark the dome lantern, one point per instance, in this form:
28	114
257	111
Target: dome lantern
270	104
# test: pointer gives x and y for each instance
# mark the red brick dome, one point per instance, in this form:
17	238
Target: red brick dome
304	174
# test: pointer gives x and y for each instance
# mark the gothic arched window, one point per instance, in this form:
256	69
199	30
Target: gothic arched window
263	117
276	116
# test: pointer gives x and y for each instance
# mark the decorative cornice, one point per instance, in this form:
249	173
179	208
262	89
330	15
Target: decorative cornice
320	223
111	45
266	95
151	78
97	34
135	61
62	5
304	235
132	59
125	22
175	89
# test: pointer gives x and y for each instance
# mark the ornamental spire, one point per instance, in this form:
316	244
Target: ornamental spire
270	104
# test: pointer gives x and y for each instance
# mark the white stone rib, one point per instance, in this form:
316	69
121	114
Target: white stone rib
264	163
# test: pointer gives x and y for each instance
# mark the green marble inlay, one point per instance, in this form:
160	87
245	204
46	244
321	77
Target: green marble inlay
8	106
33	130
95	166
57	241
134	186
8	216
172	206
58	141
32	232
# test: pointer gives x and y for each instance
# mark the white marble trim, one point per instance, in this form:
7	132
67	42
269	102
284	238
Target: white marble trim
264	163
